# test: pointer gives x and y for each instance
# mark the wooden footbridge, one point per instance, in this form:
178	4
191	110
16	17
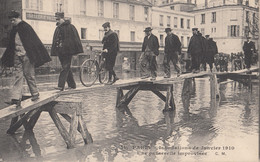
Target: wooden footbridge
70	108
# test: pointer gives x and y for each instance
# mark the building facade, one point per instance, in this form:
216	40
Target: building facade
228	25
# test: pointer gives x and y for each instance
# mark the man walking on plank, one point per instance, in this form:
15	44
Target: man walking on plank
25	52
110	48
150	49
66	43
172	50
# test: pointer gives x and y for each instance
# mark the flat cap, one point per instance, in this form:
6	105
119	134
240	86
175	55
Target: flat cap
193	29
106	24
148	29
13	14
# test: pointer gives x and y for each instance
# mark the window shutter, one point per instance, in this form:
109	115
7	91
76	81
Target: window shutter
238	31
229	31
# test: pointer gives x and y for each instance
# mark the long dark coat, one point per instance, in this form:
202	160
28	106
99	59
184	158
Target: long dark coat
196	45
212	50
249	48
152	43
66	40
172	44
111	43
33	46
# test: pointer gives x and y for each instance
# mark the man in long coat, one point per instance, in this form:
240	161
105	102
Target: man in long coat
150	49
248	48
110	48
25	52
172	49
212	51
66	43
196	50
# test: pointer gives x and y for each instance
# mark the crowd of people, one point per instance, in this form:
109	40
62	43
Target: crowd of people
25	52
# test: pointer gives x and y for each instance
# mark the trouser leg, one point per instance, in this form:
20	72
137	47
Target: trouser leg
66	73
144	65
17	89
174	60
29	74
153	65
166	65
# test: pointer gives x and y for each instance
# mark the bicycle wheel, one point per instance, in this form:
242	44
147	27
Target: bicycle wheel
103	75
88	72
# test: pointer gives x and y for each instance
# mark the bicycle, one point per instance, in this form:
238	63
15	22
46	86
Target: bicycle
93	69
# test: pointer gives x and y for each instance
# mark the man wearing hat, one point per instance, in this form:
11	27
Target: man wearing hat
196	49
110	48
249	49
66	43
150	49
172	49
25	52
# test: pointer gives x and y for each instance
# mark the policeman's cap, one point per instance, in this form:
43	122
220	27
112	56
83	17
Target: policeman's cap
167	29
13	14
106	24
148	29
59	15
194	29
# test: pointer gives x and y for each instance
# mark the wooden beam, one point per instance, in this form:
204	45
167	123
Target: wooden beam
73	127
160	95
120	94
84	131
128	96
31	123
65	135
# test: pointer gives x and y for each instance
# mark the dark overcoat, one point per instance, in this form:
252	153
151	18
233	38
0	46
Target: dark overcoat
172	44
66	40
35	50
196	45
212	50
152	43
249	48
111	43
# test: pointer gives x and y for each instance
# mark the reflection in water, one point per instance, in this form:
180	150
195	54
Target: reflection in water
137	132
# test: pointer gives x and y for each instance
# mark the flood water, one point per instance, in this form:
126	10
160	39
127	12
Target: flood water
200	129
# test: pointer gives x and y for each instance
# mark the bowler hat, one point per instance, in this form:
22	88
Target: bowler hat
59	15
13	14
167	29
106	24
148	29
193	29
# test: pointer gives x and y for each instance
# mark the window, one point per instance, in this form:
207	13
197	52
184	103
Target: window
60	5
202	31
233	30
172	7
100	8
131	12
34	4
83	7
254	18
213	30
188	41
168	21
214	18
182	41
83	33
101	34
161	40
161	20
182	23
146	13
132	34
188	23
247	16
175	22
116	10
202	18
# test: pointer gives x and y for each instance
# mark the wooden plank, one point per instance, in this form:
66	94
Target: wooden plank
120	94
31	123
28	105
73	127
65	135
160	95
84	131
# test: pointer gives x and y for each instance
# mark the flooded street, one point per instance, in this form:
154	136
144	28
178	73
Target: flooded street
199	129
